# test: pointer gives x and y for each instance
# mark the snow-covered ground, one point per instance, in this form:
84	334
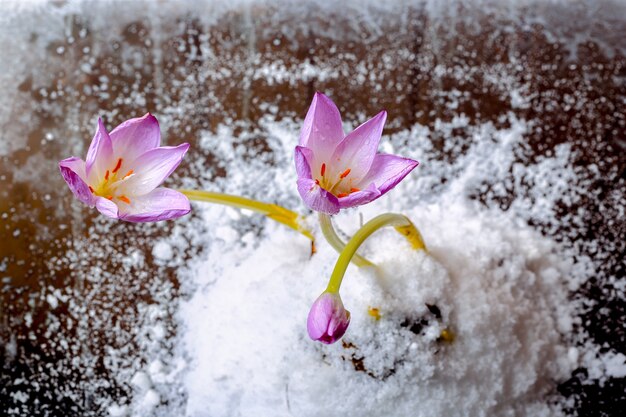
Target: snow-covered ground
498	285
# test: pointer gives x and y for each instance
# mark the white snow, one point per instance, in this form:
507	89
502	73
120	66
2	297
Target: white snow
498	284
162	251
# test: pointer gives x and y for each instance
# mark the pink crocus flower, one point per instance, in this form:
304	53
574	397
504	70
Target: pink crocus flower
123	171
337	171
328	319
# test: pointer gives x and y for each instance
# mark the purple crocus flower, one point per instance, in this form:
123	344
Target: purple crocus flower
123	171
328	319
337	171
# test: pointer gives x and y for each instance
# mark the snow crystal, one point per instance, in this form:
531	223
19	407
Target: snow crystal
163	251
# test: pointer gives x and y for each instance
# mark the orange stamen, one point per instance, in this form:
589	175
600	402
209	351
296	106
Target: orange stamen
106	175
128	174
124	199
345	173
91	189
354	190
323	169
109	197
317	182
341	195
118	166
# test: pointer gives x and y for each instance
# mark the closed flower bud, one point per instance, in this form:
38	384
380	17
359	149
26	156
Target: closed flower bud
328	319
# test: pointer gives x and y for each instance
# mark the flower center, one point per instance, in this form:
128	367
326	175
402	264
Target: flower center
337	186
107	187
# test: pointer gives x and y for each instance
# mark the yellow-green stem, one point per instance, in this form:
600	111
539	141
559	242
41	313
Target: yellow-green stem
400	222
277	213
326	224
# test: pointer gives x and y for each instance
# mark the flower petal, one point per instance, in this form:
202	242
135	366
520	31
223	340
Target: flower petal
321	315
317	323
73	172
322	130
303	158
316	197
159	204
107	207
358	198
337	327
328	319
152	168
135	137
99	155
388	170
356	152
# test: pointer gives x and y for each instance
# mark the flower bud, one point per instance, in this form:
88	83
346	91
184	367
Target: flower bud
328	319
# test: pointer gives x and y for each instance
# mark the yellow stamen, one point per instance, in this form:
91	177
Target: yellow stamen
374	312
118	166
124	199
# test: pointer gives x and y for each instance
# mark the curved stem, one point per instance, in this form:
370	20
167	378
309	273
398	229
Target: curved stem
400	222
277	213
335	241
